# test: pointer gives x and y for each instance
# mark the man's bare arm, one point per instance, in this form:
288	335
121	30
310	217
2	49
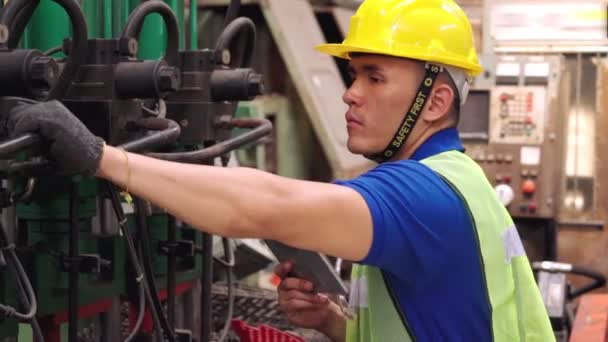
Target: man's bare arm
243	202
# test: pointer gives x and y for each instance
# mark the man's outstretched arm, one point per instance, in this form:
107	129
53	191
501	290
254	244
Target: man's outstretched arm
244	202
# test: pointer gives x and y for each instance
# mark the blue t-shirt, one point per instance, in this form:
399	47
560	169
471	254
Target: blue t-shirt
425	243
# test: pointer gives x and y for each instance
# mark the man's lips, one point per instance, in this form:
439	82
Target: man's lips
351	119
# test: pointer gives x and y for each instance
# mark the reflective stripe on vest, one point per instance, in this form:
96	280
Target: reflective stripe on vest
518	312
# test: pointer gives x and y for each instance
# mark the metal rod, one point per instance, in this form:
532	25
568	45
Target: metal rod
206	284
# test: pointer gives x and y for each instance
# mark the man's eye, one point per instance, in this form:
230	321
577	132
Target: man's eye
375	79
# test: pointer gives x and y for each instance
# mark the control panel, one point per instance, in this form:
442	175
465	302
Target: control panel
519	114
525	112
521	182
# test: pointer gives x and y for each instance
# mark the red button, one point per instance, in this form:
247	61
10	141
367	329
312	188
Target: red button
528	187
532	207
507	179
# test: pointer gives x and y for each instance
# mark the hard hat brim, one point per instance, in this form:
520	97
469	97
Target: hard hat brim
344	51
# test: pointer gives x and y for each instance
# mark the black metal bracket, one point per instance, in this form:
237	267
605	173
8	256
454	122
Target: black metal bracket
180	249
87	263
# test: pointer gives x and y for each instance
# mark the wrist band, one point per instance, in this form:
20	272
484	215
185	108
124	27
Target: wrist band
126	193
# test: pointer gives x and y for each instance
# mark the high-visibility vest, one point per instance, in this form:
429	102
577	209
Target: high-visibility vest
518	312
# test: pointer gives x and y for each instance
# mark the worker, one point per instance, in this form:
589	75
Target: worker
438	256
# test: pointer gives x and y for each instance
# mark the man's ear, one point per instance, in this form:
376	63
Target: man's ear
439	103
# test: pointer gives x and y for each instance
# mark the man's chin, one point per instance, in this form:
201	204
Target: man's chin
358	149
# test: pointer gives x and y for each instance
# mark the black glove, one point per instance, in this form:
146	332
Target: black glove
70	144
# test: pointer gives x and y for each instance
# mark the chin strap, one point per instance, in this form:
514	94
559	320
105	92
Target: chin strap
410	119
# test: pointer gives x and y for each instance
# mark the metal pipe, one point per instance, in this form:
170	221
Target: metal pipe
261	128
15	15
193	22
168	133
18	144
27	168
20	20
78	50
136	21
107	19
227	37
232	12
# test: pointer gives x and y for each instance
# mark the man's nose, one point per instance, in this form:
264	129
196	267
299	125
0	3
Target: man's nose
352	95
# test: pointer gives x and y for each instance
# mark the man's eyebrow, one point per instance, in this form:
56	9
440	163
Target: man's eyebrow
369	68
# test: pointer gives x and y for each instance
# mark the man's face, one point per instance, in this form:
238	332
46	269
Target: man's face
381	92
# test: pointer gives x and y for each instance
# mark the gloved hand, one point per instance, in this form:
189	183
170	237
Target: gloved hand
71	145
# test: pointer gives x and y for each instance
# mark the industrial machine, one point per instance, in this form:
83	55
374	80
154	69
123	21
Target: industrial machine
79	261
79	252
511	124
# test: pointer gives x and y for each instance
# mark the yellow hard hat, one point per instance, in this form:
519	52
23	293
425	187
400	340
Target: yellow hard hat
428	30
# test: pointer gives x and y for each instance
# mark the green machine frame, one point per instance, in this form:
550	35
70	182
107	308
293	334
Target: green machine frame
44	221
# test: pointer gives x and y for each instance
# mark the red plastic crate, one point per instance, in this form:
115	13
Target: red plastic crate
263	333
